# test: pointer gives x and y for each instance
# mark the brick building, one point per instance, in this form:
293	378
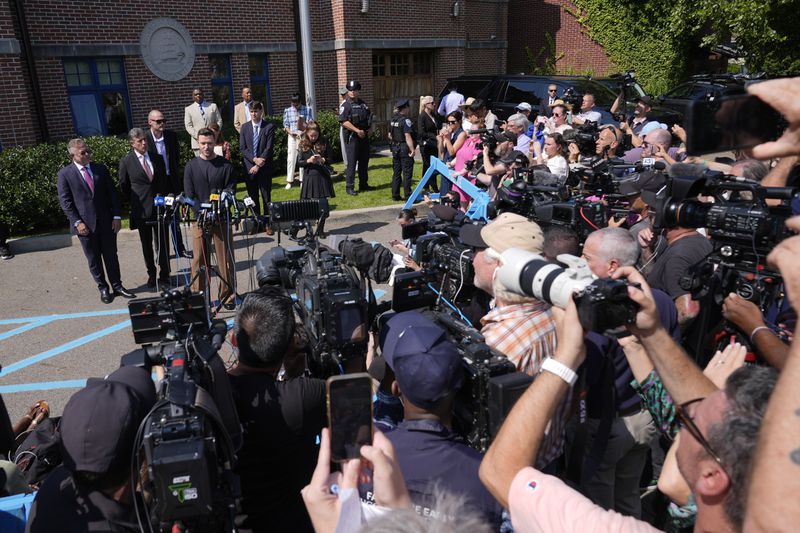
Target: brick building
78	68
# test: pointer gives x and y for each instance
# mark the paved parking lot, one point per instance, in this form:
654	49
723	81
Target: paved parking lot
55	333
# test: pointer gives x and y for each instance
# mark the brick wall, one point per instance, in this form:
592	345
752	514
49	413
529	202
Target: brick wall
528	23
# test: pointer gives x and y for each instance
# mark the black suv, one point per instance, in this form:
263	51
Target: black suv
504	93
702	87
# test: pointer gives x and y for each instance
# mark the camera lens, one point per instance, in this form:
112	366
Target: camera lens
690	214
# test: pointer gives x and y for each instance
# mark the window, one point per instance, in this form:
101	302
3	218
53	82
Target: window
681	91
259	80
222	86
98	96
522	91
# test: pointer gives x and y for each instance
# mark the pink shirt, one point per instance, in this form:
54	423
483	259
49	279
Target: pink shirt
466	153
539	502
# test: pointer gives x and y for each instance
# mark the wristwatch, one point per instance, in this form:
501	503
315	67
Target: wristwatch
560	369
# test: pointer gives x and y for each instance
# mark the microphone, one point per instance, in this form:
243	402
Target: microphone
650	163
169	200
218	330
214	199
185	200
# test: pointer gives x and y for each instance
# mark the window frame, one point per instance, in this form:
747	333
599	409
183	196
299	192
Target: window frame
263	79
96	89
227	81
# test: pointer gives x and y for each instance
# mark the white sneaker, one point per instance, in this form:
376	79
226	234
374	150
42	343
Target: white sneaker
288	186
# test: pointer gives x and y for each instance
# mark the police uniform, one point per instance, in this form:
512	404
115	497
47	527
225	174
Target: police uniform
357	149
401	160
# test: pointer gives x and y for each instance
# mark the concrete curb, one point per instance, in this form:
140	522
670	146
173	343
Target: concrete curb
41	243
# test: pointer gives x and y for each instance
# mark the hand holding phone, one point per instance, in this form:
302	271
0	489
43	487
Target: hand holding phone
349	414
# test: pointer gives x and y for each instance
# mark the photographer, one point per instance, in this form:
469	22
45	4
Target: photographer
608	141
403	259
91	490
281	419
494	165
428	371
520	327
518	125
618	439
588	113
633	125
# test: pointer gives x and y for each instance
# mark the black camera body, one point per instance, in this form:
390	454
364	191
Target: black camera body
490	385
448	265
604	305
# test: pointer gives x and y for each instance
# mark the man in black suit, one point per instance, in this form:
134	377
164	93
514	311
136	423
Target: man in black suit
257	143
89	200
164	142
141	179
544	104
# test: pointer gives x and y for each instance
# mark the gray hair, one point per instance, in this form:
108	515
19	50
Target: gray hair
752	169
135	133
75	143
617	244
448	513
735	437
519	120
659	136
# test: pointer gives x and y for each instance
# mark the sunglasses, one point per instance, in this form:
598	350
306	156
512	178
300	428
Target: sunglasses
85	152
685	421
557	115
160	120
552	90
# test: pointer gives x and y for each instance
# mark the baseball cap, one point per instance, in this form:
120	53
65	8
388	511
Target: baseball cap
650	126
426	364
509	230
645	181
507	136
515	155
646	100
524	106
136	378
99	426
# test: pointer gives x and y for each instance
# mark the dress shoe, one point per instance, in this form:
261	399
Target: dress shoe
105	296
364	188
151	282
187	254
269	231
351	192
122	291
396	198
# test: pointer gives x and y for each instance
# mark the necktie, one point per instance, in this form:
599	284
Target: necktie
147	168
255	136
162	150
202	113
88	179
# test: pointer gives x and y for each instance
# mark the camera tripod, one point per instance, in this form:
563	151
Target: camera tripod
206	268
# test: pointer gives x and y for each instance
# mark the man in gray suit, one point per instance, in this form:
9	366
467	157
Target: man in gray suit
200	115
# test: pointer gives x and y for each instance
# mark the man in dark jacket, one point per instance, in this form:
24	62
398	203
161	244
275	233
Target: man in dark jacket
257	143
141	179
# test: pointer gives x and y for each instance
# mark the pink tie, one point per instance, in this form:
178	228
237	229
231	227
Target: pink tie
88	179
147	169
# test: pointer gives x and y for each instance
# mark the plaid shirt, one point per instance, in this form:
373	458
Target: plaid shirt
290	116
526	334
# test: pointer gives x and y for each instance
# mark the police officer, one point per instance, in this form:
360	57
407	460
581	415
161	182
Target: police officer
356	118
402	137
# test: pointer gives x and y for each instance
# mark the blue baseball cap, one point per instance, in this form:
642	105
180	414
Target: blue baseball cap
426	365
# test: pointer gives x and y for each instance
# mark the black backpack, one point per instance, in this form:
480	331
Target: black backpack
40	451
381	267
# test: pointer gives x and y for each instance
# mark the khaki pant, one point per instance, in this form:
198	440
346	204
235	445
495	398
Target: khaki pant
221	235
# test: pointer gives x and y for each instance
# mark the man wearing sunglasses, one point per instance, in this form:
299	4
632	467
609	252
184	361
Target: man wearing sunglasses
718	436
89	200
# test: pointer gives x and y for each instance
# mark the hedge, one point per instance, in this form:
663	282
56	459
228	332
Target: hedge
28	176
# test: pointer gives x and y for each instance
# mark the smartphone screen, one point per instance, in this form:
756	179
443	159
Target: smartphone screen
729	123
349	414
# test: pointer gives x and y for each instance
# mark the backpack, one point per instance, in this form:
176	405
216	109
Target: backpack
40	451
381	268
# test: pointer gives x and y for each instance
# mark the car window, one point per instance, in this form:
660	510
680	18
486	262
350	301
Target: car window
474	88
522	91
681	91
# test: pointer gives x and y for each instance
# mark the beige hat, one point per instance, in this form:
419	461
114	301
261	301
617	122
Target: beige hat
510	230
562	102
468	102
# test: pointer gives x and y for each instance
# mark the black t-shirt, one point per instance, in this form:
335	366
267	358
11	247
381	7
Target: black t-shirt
675	261
281	421
63	505
201	176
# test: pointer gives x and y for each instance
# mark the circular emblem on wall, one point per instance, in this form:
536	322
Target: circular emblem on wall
167	49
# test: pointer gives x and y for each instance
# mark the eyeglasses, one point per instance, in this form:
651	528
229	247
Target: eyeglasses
685	421
159	120
558	115
552	90
452	122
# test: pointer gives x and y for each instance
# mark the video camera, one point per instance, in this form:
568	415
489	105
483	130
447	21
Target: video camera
333	296
189	439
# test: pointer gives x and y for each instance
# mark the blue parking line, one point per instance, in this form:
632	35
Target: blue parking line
87	314
43	385
63	348
23	329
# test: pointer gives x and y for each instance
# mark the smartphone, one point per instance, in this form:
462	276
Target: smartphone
730	123
349	414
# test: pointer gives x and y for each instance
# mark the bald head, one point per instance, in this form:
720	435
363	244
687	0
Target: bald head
659	136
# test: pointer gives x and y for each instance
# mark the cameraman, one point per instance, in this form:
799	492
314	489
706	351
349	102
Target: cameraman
633	125
519	326
588	112
91	490
494	167
280	419
619	430
608	141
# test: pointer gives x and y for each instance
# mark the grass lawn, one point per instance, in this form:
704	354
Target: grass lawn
380	177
